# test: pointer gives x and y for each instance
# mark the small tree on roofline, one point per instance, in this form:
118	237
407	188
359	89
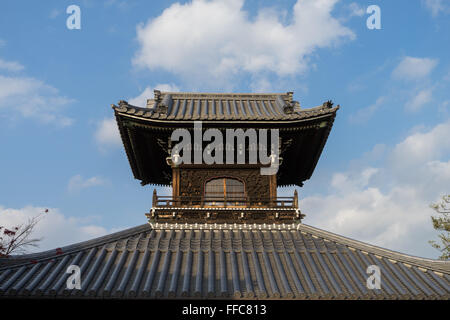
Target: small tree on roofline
441	222
17	240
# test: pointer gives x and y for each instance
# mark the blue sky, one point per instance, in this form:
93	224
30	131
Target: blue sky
387	157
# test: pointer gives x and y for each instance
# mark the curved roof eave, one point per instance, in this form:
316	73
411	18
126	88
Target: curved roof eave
437	265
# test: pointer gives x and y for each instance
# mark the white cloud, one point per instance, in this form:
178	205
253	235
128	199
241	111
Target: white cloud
395	219
122	5
444	107
356	10
216	40
364	114
389	205
10	65
31	98
419	100
77	183
349	182
421	147
107	133
54	13
436	6
261	84
447	76
141	100
411	68
56	229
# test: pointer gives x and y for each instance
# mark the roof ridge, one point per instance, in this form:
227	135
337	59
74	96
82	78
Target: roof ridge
76	246
364	246
125	107
175	93
443	266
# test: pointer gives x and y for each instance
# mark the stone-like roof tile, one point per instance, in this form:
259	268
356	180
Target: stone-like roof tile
224	261
182	106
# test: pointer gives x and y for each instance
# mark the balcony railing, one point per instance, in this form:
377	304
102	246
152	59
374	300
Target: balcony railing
221	202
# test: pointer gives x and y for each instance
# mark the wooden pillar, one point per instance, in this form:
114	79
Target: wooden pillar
155	198
273	189
295	203
175	182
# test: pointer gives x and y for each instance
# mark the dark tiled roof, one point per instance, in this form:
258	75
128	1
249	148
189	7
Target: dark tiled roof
180	106
222	261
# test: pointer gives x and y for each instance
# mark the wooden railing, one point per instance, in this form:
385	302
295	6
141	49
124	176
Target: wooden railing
220	202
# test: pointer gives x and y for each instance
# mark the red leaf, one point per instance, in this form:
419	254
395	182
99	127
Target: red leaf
9	232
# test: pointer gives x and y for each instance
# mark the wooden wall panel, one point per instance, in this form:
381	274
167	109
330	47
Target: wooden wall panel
191	181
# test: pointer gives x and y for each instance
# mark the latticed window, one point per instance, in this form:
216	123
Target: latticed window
223	190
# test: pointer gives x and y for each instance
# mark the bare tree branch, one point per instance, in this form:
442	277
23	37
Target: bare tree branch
18	239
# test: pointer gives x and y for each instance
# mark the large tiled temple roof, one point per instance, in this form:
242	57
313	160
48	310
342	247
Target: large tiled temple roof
224	261
184	106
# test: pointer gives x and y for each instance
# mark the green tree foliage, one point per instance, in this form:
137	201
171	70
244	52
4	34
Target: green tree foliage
441	222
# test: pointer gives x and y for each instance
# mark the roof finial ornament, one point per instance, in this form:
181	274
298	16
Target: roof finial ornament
286	106
290	95
157	95
328	104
